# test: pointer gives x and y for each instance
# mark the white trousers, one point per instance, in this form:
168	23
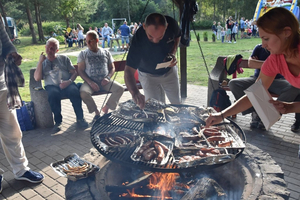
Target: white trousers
157	86
11	138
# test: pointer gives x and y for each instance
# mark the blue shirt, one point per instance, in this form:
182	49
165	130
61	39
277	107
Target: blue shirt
262	54
125	30
242	22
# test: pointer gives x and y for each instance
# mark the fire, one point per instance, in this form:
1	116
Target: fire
163	182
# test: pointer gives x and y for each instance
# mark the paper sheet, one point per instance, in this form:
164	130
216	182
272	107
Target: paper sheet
163	65
259	97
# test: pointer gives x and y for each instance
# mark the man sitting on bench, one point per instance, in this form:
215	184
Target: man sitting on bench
96	67
280	87
59	74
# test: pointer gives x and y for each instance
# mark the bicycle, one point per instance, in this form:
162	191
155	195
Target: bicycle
16	41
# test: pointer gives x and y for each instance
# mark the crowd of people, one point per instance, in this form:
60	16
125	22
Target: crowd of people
105	34
232	28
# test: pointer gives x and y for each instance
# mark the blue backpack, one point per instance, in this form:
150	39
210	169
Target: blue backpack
219	100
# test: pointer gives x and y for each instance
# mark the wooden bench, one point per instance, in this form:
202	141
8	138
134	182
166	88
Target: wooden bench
42	110
218	74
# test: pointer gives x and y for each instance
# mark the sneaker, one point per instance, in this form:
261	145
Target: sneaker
229	41
31	176
57	127
95	119
82	123
234	42
296	126
255	120
1	179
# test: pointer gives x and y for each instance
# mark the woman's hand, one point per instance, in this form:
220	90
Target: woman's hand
283	107
214	118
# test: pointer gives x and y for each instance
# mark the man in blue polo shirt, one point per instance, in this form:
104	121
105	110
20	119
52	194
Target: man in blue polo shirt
125	32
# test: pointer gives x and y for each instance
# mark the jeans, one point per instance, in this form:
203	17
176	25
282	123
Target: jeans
54	98
125	38
108	40
80	43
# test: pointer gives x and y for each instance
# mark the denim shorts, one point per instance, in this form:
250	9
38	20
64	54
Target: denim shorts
125	38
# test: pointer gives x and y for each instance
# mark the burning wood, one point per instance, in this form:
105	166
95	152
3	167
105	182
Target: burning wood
205	188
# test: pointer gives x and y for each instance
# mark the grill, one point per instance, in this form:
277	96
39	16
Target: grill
111	123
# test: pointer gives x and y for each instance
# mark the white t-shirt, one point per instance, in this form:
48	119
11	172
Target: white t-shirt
96	64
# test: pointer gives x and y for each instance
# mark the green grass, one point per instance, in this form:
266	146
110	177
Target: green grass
196	71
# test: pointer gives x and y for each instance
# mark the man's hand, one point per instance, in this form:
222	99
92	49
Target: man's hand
174	60
105	81
42	57
64	84
94	86
139	99
17	57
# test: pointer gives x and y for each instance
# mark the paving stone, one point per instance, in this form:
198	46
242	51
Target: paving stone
43	191
28	193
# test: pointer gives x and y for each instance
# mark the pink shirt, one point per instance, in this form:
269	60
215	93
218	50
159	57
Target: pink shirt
276	64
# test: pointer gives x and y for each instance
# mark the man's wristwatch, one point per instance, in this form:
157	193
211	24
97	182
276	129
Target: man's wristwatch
70	80
108	77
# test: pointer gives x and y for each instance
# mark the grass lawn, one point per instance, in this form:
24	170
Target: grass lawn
196	71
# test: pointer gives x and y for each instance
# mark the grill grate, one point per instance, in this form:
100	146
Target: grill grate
110	123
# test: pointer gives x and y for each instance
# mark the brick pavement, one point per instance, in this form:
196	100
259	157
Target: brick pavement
43	147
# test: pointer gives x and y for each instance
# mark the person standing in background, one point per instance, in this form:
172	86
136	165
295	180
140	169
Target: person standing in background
219	29
80	35
107	32
242	23
125	32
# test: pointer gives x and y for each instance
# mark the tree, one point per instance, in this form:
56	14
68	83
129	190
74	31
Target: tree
38	20
34	41
5	20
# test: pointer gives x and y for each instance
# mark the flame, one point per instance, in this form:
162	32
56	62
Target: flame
163	182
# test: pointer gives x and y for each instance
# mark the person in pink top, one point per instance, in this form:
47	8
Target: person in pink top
279	32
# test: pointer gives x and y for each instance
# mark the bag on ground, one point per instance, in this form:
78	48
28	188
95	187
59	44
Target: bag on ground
26	116
219	100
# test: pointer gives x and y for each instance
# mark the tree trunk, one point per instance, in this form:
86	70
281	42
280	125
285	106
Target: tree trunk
5	21
67	21
38	21
214	10
34	41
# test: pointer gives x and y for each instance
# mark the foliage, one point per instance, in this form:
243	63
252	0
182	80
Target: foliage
56	27
25	31
204	24
213	36
61	39
205	34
